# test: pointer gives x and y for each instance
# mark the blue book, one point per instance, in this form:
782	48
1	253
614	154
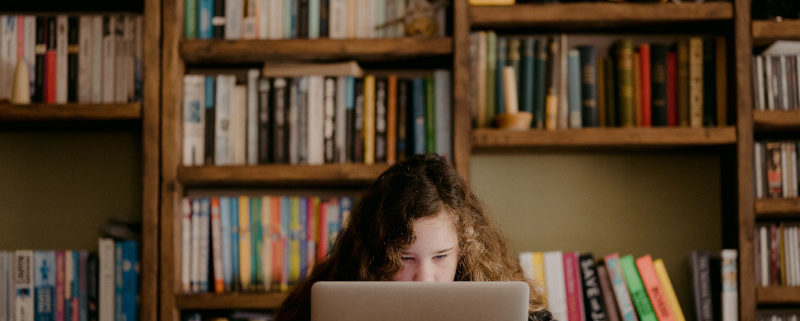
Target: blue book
130	280
289	7
301	235
205	212
44	282
574	88
225	221
84	285
206	9
234	242
286	215
294	19
118	251
499	94
418	116
313	19
256	242
526	78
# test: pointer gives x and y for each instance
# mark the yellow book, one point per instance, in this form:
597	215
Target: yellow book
369	120
245	276
538	271
294	241
266	238
666	286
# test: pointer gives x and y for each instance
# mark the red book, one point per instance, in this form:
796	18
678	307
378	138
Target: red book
654	290
60	288
216	246
775	261
672	89
311	232
322	232
574	290
21	39
277	245
50	77
644	69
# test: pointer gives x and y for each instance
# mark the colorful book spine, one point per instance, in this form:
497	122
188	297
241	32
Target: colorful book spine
294	239
594	310
609	299
539	88
190	19
216	245
645	83
654	289
256	241
537	261
245	244
574	89
502	56
669	291
60	294
625	82
659	84
730	284
235	273
574	290
130	281
620	288
266	246
588	80
636	288
44	268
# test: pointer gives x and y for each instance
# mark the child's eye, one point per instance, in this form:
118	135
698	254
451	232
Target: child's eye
407	258
440	257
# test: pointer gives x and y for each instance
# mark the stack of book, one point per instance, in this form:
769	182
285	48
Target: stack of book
776	255
676	82
259	243
71	285
628	289
775	166
290	19
280	116
86	58
775	77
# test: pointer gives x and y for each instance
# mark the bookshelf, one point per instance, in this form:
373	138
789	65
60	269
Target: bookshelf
778	208
766	120
281	174
766	31
778	295
66	112
210	301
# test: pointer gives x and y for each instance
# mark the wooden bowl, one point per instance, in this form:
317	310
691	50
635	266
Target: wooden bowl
518	121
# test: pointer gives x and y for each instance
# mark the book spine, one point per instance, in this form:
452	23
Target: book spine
289	15
239	125
314	18
556	286
654	288
701	286
216	244
45	272
369	120
85	39
340	120
245	243
329	120
609	299
444	113
256	243
672	89
730	287
418	117
349	114
696	82
636	288
108	71
80	303
552	83
186	245
279	121
574	89
612	108
430	115
514	60
63	293
105	252
625	82
73	50
193	121
205	244
218	20
302	18
209	101
130	280
539	88
39	69
234	243
391	120
722	81
234	15
380	120
403	126
338	19
315	111
502	56
50	62
615	273
593	307
646	85
252	116
206	12
324	18
709	88
526	83
266	247
573	287
358	122
264	121
588	81
659	84
190	19
491	73
298	96
294	240
637	89
563	80
61	59
225	227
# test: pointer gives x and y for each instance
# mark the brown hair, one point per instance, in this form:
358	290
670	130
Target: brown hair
381	227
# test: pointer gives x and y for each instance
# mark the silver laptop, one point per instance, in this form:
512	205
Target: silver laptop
395	301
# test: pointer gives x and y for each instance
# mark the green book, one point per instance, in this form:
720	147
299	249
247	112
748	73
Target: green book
190	19
525	84
624	49
491	64
635	286
539	71
430	115
611	93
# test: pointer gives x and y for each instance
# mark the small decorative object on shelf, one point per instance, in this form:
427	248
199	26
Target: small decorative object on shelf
21	95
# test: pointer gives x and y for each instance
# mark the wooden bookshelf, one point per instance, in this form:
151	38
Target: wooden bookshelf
65	112
281	174
778	208
255	51
230	301
597	14
778	295
604	137
765	120
766	31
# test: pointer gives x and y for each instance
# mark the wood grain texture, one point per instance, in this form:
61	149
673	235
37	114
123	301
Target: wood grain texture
461	89
766	120
743	50
766	31
778	208
228	301
255	51
604	137
281	175
66	112
597	14
778	295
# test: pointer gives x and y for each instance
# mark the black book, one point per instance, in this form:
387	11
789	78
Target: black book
592	294
539	96
701	286
709	82
211	110
658	84
72	59
324	10
611	91
279	128
588	61
358	122
41	49
92	272
380	120
302	18
302	121
350	115
218	20
402	118
264	129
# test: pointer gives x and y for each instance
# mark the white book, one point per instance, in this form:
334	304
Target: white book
23	269
120	66
329	126
444	113
792	153
249	27
758	76
315	121
85	59
105	256
796	251
369	18
109	57
769	82
266	249
361	8
205	238
262	10
758	162
196	243
526	263
222	119
352	23
234	14
186	246
97	59
8	54
555	284
238	126
784	84
30	48
275	19
193	120
730	287
61	58
130	43
340	118
764	243
4	283
337	19
252	116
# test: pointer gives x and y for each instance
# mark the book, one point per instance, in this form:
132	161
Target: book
252	117
264	121
658	90
245	244
193	120
701	285
612	114
609	299
709	54
696	82
654	289
526	82
380	120
329	120
315	120
444	113
672	89
721	81
210	119
552	85
216	245
573	287
44	271
645	85
502	57
190	19
539	88
369	120
636	288
669	292
625	84
556	286
618	282
593	303
574	98
589	90
491	73
391	121
730	277
105	297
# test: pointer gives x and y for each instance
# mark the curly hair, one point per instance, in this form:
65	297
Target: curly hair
381	227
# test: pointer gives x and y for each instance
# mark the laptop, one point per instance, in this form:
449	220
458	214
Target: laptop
396	301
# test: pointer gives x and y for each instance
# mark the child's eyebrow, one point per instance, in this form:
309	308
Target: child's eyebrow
447	250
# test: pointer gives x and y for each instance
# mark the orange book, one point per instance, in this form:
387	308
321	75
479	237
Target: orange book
637	89
369	120
654	290
216	246
391	120
722	83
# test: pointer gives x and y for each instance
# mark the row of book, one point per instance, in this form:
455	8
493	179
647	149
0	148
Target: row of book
775	166
630	289
656	83
86	58
777	256
316	119
290	19
71	285
777	315
256	243
775	77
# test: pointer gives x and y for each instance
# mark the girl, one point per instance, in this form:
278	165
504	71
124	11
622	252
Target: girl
419	221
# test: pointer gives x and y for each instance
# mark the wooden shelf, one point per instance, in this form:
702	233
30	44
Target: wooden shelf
764	120
778	295
281	174
255	51
766	31
778	208
63	112
229	301
597	14
604	137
